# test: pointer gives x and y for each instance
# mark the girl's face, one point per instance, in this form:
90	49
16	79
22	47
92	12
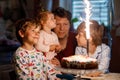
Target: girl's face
51	22
31	35
81	39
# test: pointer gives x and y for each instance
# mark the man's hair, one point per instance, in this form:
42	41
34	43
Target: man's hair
61	12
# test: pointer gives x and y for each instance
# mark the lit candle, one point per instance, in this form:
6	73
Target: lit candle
87	23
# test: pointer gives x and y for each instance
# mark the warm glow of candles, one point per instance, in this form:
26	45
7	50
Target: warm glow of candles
88	14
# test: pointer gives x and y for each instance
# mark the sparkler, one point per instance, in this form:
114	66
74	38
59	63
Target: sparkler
87	22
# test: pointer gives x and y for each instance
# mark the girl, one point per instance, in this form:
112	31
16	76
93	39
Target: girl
29	63
48	41
97	49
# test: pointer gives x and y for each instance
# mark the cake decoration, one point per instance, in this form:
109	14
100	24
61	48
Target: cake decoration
79	62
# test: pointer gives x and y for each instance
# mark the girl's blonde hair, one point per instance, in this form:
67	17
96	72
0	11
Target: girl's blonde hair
96	31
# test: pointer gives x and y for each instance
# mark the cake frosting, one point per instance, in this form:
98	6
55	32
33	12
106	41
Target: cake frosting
79	58
79	62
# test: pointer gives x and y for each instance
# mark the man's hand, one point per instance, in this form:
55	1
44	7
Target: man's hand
55	61
58	48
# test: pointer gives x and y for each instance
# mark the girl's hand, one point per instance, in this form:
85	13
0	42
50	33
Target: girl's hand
52	47
50	56
58	48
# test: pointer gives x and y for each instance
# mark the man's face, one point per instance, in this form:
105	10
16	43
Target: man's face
62	27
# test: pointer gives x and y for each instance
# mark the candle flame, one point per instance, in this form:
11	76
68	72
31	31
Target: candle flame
87	19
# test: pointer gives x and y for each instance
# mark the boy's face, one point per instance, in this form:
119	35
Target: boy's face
31	35
51	22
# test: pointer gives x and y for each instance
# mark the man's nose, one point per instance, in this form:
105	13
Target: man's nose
62	27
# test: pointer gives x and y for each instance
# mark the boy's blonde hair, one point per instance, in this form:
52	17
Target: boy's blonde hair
22	25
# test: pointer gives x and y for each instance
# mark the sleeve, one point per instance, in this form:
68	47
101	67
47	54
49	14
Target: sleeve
78	50
40	45
105	59
22	68
49	70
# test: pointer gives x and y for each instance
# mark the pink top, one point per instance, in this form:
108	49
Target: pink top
45	40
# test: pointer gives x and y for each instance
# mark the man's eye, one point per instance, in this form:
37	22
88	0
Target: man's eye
65	24
57	24
52	18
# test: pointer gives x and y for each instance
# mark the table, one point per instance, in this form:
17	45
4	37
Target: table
108	76
77	72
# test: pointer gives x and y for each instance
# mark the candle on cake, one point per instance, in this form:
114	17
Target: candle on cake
87	22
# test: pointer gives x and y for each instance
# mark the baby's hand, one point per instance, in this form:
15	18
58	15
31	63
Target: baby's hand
50	56
52	47
58	48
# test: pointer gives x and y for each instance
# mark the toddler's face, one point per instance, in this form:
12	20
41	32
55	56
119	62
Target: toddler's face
51	22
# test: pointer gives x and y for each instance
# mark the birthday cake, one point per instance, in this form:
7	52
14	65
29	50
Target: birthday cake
79	62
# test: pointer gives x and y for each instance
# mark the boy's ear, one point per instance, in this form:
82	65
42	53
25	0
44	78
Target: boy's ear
21	33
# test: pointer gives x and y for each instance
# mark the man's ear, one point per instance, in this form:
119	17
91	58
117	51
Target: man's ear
21	33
